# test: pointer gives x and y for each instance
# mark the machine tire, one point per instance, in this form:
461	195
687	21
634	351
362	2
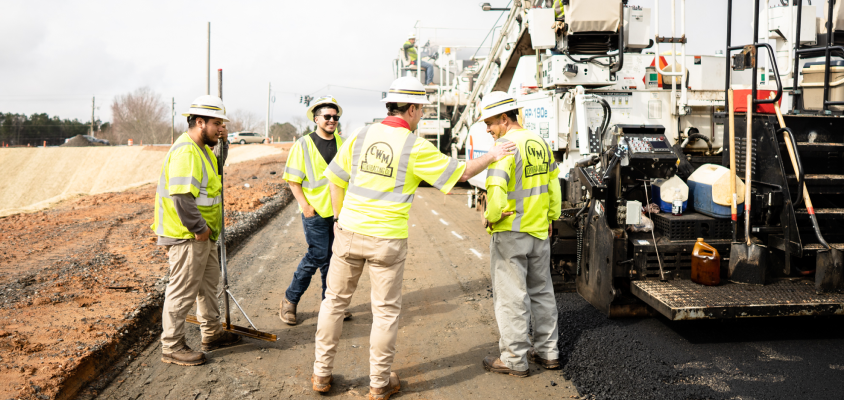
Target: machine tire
242	141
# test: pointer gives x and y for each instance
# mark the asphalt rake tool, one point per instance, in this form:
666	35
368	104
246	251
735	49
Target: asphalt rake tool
748	260
253	333
829	264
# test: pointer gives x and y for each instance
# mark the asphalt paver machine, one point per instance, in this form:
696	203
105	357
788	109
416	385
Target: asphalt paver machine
796	211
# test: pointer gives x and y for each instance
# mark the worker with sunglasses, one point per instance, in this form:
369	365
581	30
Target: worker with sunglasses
308	159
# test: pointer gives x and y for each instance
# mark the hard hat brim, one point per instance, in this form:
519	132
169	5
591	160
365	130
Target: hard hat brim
205	115
310	112
397	99
499	110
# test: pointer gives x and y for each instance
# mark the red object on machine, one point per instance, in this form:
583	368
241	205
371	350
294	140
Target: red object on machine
741	101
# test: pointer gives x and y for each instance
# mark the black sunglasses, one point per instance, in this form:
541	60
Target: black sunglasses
328	117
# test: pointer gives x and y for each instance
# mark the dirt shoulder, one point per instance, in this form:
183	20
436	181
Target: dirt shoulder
80	282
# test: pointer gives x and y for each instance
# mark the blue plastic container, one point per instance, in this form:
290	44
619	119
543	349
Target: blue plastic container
700	191
701	196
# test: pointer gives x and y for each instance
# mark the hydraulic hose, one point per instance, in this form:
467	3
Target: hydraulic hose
697	136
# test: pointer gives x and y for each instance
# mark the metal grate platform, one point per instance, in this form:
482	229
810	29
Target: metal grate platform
686	300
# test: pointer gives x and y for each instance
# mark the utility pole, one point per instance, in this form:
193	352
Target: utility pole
93	99
172	119
208	63
269	100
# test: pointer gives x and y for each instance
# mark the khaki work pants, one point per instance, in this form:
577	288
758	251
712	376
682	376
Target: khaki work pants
522	291
194	276
385	260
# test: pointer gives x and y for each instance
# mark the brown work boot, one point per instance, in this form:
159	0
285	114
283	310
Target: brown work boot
347	315
547	364
494	364
287	313
385	392
322	384
184	356
221	339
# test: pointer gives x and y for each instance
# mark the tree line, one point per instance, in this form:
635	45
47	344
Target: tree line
33	130
142	115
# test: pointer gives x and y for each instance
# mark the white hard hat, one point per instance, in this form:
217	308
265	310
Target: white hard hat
496	103
324	100
411	36
406	89
207	106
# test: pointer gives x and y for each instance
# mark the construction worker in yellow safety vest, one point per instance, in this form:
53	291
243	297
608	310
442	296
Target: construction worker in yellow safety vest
188	219
372	181
308	159
523	198
410	53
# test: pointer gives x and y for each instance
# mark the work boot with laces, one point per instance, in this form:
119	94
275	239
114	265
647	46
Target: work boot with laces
287	313
494	364
385	392
221	339
184	356
322	384
547	364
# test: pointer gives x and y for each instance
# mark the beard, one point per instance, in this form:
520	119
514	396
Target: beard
209	138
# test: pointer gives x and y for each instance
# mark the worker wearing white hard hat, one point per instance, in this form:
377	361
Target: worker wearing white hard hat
188	219
412	56
523	200
373	180
306	163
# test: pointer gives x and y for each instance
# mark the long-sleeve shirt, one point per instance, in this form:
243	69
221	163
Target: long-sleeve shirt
185	204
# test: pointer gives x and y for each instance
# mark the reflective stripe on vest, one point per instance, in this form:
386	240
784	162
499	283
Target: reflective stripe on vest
519	193
312	182
164	193
396	195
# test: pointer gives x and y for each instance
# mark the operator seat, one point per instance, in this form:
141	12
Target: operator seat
592	26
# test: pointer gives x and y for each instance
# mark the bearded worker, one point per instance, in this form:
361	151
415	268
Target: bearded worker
188	219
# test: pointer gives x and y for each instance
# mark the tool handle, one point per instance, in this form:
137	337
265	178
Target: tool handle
748	143
734	206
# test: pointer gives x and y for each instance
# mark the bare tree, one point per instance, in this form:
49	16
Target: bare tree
244	121
141	116
302	125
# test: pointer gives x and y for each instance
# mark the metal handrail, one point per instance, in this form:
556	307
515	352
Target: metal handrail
801	174
776	73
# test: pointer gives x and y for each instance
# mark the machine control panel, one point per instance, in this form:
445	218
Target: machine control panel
648	144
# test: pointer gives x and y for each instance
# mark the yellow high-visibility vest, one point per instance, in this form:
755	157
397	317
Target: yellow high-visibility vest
188	169
559	10
381	167
526	177
306	166
410	51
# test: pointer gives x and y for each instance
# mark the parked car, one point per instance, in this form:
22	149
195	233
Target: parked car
246	137
90	139
96	140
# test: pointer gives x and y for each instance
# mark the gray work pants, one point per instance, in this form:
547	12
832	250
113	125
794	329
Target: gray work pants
522	290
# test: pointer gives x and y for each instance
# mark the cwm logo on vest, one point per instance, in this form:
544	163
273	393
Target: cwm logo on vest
377	159
537	158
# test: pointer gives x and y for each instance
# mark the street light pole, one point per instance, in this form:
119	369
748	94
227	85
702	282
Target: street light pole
269	100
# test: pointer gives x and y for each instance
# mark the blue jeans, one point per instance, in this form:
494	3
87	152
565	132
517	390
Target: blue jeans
429	71
319	233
